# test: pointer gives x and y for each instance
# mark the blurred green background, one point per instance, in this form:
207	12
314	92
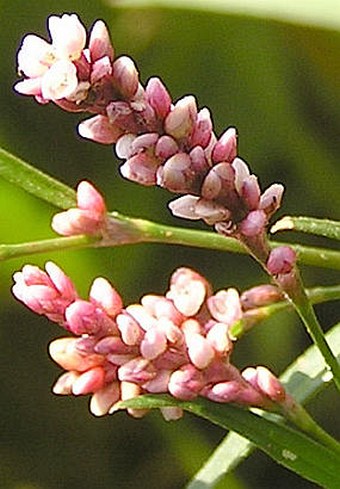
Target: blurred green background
279	84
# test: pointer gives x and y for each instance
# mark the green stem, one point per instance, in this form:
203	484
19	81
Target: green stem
297	294
298	415
8	251
127	230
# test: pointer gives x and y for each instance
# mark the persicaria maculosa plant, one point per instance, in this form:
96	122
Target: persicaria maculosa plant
171	351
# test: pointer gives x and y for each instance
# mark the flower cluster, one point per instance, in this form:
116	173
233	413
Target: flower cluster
179	343
163	143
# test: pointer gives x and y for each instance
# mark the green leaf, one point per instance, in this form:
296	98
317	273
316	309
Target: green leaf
287	446
37	183
311	225
303	379
317	14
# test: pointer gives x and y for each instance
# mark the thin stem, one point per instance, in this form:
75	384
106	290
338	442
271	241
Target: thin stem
127	230
8	251
298	415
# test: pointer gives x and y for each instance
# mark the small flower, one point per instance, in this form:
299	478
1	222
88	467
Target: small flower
89	217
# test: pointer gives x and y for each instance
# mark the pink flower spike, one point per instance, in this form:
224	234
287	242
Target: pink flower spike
225	148
88	198
158	97
100	130
88	382
104	398
68	35
104	295
99	42
281	260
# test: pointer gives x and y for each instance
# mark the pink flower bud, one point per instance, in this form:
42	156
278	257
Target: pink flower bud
242	173
144	142
250	192
211	212
219	182
186	383
254	224
60	81
129	328
99	42
113	344
100	130
271	198
185	207
124	146
68	35
177	175
265	382
129	390
153	344
77	221
200	350
83	317
64	352
125	76
141	315
226	147
161	307
219	338
141	169
261	295
225	306
187	291
104	295
104	398
31	86
171	413
89	381
139	370
166	147
63	386
159	384
179	123
224	391
202	129
281	260
158	97
88	198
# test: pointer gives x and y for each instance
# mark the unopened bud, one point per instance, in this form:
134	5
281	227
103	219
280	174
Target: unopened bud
281	260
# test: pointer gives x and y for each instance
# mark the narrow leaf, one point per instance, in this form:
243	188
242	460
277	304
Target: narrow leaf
310	225
285	445
34	181
303	379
